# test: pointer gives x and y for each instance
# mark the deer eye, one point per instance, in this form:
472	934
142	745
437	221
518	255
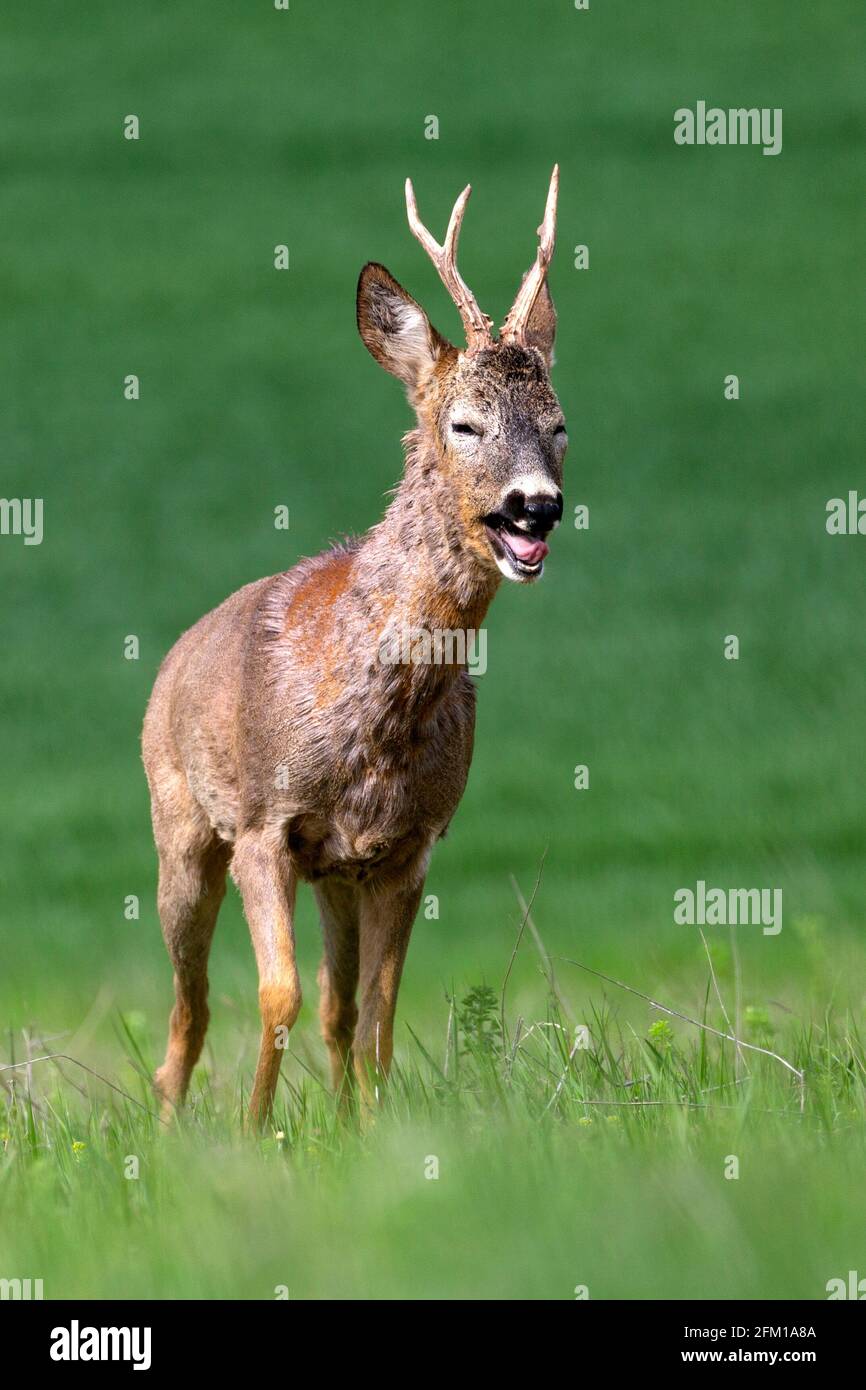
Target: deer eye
463	427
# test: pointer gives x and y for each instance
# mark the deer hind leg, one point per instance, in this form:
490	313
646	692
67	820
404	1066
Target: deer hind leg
267	882
338	980
385	926
192	884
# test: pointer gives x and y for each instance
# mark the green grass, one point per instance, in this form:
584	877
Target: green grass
506	1164
707	518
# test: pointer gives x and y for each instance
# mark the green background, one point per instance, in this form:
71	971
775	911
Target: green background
155	257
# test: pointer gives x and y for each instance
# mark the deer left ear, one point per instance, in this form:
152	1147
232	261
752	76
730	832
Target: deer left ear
540	330
394	328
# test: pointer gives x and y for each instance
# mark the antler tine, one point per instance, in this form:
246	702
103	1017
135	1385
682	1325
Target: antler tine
455	222
514	327
477	325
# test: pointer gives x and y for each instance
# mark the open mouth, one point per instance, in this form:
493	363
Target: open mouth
522	551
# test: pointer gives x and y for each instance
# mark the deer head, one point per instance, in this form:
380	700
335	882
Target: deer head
487	414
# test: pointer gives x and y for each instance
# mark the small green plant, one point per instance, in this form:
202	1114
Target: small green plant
478	1022
661	1035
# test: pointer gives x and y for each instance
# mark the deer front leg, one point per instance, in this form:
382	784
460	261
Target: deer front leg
267	883
386	921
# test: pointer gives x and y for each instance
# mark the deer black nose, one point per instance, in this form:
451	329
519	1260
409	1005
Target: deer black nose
542	511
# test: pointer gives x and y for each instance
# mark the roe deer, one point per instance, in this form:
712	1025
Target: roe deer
279	744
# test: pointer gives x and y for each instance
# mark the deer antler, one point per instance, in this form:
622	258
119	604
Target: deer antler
514	327
477	325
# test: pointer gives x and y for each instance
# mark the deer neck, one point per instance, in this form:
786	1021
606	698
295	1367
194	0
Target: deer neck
418	574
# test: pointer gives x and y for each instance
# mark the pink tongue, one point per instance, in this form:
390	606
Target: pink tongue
525	548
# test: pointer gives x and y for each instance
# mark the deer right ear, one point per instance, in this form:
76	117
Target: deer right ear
540	330
394	328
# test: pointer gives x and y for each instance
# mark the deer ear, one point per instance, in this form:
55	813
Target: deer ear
541	326
394	328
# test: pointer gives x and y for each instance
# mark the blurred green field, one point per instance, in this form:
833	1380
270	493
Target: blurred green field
155	257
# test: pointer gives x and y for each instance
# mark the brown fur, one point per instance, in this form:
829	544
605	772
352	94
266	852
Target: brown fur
278	745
